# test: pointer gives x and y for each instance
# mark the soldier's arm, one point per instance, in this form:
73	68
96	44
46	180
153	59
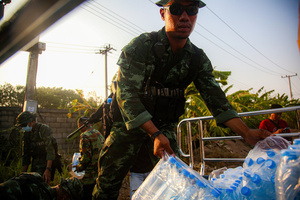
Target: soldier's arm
161	142
26	156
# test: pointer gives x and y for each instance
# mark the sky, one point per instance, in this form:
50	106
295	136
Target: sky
256	40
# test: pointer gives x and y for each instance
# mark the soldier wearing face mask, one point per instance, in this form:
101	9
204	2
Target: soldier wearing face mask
37	147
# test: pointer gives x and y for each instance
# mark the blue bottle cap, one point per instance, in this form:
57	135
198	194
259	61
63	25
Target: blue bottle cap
273	179
294	147
247	173
235	184
192	176
178	165
241	178
215	192
222	176
256	179
260	160
238	181
249	161
270	164
200	184
246	191
109	100
233	187
185	173
290	154
172	160
213	179
296	141
229	191
271	153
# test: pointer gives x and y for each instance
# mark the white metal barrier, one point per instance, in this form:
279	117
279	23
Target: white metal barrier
200	121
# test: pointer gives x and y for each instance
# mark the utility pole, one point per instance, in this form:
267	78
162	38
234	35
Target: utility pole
289	77
104	51
30	104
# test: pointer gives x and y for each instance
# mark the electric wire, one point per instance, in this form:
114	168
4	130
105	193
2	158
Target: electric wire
246	40
232	54
237	50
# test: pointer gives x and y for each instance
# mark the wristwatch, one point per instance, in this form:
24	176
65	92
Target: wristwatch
49	168
154	135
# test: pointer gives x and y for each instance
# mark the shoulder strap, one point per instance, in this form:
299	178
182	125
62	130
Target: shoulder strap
277	125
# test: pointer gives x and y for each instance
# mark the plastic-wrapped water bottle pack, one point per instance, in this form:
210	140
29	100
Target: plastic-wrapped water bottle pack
173	179
256	179
75	161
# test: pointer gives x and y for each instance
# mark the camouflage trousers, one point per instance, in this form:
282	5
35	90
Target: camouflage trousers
118	156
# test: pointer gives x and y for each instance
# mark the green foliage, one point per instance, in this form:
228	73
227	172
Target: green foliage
242	101
52	98
56	98
11	96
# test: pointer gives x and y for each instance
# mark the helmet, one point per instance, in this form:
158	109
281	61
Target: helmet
164	2
73	187
24	118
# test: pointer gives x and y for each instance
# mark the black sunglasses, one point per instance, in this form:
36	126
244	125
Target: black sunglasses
177	9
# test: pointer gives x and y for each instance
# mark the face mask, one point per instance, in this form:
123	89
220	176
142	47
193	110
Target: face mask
27	128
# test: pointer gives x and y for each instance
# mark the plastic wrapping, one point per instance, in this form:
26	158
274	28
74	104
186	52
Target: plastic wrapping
75	161
173	179
287	180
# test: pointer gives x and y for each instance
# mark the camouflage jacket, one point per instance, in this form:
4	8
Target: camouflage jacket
91	142
27	186
138	60
37	144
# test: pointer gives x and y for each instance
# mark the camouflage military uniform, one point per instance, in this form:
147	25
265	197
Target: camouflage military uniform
26	186
91	142
136	62
32	186
37	145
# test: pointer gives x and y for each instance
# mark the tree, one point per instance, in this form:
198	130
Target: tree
11	96
52	98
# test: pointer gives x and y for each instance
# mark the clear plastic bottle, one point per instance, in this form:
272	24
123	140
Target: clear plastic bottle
296	141
156	180
174	185
75	161
288	175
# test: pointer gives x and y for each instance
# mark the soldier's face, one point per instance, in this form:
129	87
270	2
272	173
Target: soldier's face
178	26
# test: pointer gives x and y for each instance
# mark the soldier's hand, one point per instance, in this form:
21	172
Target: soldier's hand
161	144
255	135
76	168
47	176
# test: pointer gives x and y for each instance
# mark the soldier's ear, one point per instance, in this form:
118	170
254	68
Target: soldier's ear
162	14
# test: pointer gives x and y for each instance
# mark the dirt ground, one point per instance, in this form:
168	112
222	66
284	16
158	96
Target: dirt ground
220	149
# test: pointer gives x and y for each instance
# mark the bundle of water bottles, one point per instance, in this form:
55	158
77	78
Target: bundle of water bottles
75	161
270	171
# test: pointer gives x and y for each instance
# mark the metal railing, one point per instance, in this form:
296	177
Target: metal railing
200	120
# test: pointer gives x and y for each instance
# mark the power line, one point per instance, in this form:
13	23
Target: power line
237	50
233	54
246	40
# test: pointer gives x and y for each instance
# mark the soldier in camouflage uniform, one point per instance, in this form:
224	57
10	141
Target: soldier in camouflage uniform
148	109
37	145
91	142
31	186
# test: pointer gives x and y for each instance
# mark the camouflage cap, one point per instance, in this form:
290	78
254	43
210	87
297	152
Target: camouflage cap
73	187
24	118
164	2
